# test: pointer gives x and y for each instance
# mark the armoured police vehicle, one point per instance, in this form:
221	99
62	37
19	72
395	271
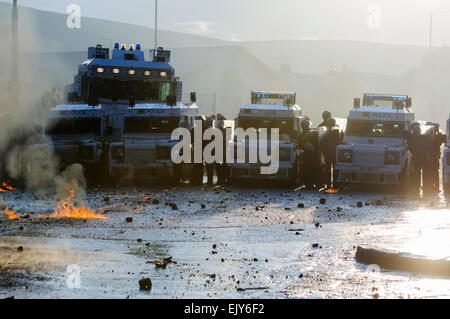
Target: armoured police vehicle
153	112
76	134
268	110
446	160
375	148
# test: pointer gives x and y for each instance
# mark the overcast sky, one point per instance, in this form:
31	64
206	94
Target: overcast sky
388	21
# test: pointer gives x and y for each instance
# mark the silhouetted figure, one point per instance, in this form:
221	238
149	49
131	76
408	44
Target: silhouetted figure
433	142
197	177
210	166
416	144
328	145
325	116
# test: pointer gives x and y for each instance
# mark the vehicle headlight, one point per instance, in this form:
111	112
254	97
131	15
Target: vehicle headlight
118	152
392	158
345	155
285	154
163	153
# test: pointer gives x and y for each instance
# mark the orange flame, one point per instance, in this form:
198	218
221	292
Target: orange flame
66	209
5	187
11	215
332	191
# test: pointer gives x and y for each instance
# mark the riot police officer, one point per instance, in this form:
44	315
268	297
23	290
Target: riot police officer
432	147
325	116
197	177
222	167
308	143
210	166
328	145
416	144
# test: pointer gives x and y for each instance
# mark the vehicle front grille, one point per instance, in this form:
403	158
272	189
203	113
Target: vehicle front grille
368	158
140	156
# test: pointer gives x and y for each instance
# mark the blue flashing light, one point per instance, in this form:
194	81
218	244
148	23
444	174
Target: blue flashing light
116	46
138	47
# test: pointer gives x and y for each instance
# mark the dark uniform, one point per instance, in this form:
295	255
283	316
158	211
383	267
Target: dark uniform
210	166
433	142
197	177
416	144
325	116
328	145
222	167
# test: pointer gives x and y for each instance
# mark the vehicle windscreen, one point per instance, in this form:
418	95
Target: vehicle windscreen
150	125
115	89
285	125
73	126
375	128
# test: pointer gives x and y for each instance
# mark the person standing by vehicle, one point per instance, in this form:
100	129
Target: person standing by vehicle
325	116
416	144
433	142
197	177
329	143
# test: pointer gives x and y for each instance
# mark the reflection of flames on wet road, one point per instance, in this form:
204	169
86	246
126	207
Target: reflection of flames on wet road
11	215
5	187
66	209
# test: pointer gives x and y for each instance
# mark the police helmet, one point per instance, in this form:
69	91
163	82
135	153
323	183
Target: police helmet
306	125
326	115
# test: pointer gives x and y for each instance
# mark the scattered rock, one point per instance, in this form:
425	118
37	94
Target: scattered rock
214	246
106	199
322	201
359	204
301	205
155	202
315	245
173	206
203	206
139	240
129	219
145	284
20	249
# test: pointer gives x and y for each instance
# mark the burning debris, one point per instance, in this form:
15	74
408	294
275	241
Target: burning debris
66	209
332	191
5	187
11	214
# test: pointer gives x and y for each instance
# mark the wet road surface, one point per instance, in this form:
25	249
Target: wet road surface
226	242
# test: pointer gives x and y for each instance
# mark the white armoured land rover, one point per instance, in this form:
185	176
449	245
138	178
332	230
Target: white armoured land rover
144	151
269	110
76	134
375	149
446	160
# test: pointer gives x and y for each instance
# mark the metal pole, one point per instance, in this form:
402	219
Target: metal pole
156	24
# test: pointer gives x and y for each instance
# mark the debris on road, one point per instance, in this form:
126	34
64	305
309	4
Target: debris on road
145	284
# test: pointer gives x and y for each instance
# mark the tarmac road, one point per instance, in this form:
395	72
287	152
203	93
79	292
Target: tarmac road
228	249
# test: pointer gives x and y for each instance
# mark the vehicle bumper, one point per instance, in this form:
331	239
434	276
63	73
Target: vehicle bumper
360	175
150	171
285	172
